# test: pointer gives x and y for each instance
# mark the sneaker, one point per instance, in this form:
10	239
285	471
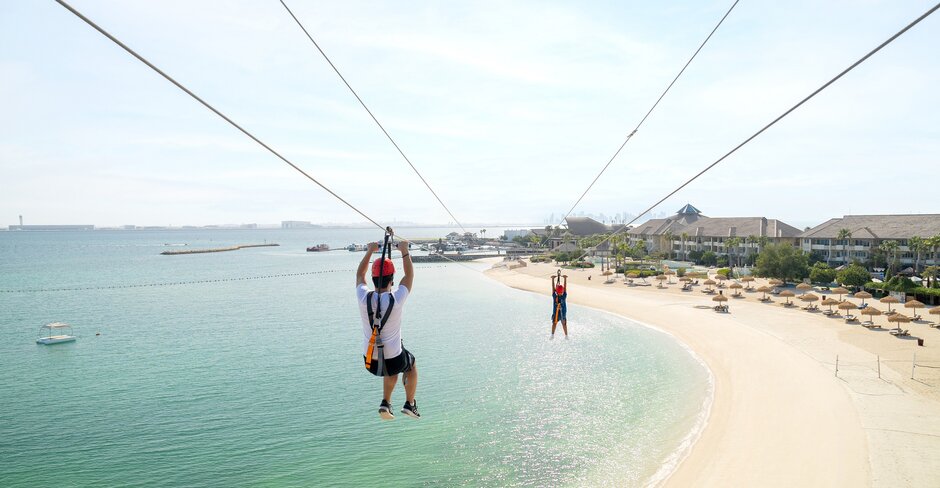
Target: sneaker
411	410
551	337
385	411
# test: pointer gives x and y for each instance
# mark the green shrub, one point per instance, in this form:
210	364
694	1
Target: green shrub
680	272
821	273
724	272
583	264
642	273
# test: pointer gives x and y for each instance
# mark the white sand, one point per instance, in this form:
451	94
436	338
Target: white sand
781	417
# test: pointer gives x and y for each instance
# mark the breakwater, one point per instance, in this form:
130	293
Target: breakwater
217	249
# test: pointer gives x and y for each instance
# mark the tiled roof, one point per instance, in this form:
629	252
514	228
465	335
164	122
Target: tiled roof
878	226
718	227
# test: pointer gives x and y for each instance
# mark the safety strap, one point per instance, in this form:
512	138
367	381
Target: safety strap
377	326
377	321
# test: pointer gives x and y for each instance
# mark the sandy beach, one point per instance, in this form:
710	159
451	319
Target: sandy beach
781	414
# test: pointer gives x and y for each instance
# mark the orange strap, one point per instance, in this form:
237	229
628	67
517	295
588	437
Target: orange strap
371	348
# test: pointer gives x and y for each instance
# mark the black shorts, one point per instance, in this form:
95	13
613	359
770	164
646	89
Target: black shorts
401	363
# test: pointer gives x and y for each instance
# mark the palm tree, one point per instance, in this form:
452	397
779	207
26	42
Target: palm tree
844	236
916	244
731	245
890	248
751	239
668	236
483	231
934	243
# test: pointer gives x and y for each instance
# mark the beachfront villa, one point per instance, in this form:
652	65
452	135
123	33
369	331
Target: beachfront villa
853	237
688	230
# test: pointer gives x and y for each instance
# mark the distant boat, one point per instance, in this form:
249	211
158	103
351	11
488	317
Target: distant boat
318	248
356	247
49	338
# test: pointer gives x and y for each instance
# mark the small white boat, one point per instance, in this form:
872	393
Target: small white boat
49	331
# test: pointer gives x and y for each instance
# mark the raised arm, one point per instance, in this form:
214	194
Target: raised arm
553	283
364	264
566	282
408	279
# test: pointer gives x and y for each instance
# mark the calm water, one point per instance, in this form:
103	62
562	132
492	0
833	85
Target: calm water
260	382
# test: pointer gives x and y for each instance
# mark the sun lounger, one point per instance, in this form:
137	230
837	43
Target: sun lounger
900	333
721	308
788	304
916	317
830	312
766	299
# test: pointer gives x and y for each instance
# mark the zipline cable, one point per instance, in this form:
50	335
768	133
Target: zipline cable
213	109
630	136
374	119
773	122
223	116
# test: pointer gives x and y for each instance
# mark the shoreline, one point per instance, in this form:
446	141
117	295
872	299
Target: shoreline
779	415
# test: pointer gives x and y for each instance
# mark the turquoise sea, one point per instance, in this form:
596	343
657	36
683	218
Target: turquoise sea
259	382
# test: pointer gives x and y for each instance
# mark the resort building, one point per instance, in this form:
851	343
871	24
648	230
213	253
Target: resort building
854	237
688	230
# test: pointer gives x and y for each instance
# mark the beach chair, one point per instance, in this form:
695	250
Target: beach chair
901	333
829	312
849	318
916	317
766	299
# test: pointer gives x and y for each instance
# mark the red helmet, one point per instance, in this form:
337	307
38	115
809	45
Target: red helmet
559	289
382	267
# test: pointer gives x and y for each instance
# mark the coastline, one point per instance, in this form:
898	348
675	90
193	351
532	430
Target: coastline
779	415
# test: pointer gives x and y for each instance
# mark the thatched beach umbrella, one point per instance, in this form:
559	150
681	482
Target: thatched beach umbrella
748	280
661	278
899	319
736	286
775	282
935	311
809	297
829	302
863	295
607	272
765	290
914	304
720	277
804	287
889	300
787	294
719	298
633	275
839	291
685	278
871	312
709	282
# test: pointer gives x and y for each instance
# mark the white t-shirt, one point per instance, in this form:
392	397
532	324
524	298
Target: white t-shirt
391	333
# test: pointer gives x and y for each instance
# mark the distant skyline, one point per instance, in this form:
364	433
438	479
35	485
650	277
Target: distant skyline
509	109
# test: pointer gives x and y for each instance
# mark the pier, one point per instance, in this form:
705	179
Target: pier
218	249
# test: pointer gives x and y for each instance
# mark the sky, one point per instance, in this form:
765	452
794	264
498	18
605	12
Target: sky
508	108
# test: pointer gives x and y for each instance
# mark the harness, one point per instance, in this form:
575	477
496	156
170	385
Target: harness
377	320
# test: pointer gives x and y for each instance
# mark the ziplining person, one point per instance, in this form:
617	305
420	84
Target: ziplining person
381	311
559	303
